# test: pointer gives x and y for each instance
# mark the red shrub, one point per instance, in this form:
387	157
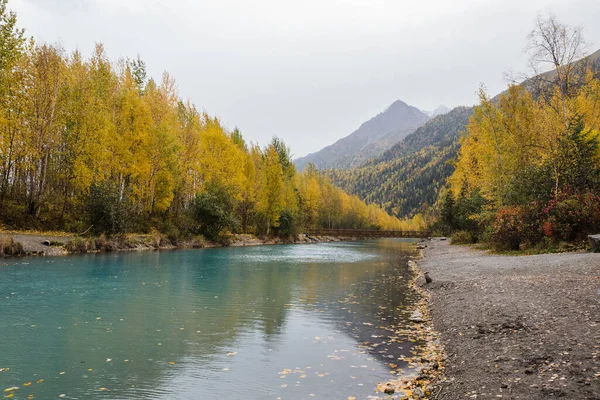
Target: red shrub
572	216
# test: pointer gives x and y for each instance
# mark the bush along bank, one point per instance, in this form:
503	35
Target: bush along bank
8	247
519	196
527	175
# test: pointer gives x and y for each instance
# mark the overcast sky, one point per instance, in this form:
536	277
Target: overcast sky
310	71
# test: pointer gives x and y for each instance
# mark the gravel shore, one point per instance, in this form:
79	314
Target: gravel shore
515	327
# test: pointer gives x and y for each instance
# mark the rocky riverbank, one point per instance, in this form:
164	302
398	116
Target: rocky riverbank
515	327
59	244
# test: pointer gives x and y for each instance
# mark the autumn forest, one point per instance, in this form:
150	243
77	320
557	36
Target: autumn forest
90	144
527	174
94	144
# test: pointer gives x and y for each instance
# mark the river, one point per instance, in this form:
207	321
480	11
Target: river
268	322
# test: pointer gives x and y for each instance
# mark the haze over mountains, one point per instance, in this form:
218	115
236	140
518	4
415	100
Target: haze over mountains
441	110
372	138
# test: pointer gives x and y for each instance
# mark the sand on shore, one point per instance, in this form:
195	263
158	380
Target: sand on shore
515	327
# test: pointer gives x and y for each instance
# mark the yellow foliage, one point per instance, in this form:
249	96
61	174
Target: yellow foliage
68	123
519	131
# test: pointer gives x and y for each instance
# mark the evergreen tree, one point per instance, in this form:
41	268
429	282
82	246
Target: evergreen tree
448	211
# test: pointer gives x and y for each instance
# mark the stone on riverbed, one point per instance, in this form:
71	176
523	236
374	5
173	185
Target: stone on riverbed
594	242
416	316
389	389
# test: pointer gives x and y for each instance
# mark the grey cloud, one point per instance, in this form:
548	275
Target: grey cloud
310	71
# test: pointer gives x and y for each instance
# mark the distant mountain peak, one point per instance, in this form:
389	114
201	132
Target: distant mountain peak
440	110
396	104
371	139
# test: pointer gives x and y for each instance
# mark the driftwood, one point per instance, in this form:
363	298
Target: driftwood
86	231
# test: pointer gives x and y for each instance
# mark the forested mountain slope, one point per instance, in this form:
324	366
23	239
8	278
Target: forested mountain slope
370	140
409	176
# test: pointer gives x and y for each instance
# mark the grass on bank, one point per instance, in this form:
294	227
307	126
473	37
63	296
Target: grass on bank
87	244
130	242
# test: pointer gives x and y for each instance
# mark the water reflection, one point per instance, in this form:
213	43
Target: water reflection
252	323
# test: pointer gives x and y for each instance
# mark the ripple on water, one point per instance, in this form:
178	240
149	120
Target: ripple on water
247	323
323	253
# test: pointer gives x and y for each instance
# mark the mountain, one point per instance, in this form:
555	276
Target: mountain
411	173
408	177
371	139
441	110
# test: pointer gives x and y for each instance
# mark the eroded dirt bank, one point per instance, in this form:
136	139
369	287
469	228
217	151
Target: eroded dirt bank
524	327
63	244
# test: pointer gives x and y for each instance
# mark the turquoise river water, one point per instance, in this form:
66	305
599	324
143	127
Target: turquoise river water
268	322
